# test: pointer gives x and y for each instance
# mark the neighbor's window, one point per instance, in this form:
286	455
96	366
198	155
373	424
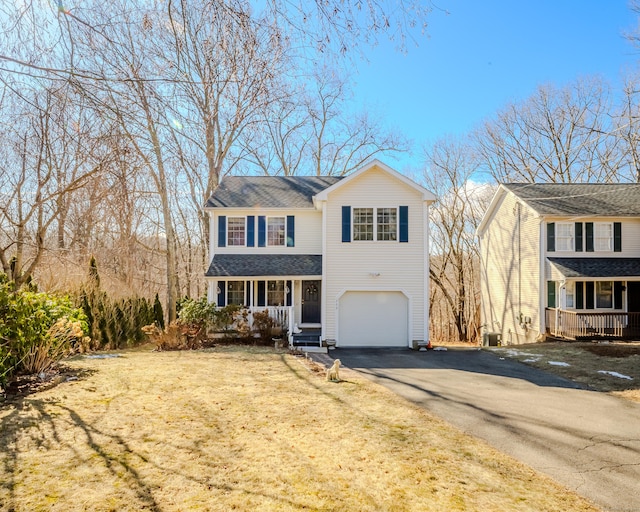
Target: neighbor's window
564	236
604	294
603	236
275	293
387	224
275	231
570	294
363	223
235	292
235	231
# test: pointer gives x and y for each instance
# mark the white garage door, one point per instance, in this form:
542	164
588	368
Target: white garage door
373	319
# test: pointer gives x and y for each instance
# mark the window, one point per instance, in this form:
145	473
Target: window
570	295
363	223
275	231
603	236
375	224
564	236
604	294
235	292
235	231
275	293
387	224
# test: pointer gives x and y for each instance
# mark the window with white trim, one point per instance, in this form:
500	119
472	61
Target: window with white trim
275	293
275	230
603	236
570	293
362	224
387	224
236	231
379	224
564	236
235	292
604	294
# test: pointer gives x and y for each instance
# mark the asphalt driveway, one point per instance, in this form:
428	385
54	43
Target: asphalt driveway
585	440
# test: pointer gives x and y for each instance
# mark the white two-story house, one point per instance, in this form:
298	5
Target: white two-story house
561	260
341	260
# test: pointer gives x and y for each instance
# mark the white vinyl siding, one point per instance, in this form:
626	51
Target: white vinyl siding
378	266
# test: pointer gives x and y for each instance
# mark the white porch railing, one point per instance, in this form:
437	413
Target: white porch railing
282	317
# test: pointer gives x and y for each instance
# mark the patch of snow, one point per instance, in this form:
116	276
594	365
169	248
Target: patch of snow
531	360
559	363
615	374
440	348
510	352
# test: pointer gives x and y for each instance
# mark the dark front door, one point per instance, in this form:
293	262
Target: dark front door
310	302
633	296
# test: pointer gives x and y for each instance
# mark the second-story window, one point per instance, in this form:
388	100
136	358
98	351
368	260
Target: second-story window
387	224
363	224
235	231
564	236
603	236
275	231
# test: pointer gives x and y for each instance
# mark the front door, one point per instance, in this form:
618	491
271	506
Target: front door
311	302
633	296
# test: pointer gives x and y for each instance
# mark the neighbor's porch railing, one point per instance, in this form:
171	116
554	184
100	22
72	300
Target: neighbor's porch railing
572	325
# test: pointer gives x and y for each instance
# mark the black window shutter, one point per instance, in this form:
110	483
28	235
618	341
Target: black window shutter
251	231
247	293
589	290
291	231
222	231
262	231
579	242
551	237
346	223
222	287
617	237
579	295
289	291
617	295
551	294
262	295
404	224
588	228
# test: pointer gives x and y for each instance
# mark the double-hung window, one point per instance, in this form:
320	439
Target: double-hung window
236	231
362	224
235	292
275	293
564	236
387	224
603	236
275	231
604	294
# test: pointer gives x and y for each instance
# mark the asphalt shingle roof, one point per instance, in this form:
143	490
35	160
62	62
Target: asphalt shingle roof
597	267
269	191
255	265
597	199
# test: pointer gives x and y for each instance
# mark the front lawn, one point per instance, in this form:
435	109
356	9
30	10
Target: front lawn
247	429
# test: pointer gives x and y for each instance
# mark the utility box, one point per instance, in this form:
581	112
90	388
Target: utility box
492	339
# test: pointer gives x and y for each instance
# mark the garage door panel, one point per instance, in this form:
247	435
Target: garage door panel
373	319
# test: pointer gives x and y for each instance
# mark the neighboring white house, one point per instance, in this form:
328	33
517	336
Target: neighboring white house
346	260
561	259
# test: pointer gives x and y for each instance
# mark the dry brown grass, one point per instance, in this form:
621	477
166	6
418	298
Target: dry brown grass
242	428
585	360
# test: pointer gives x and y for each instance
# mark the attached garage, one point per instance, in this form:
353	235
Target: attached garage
373	319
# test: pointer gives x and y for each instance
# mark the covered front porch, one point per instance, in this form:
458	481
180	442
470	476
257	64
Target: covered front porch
287	287
593	298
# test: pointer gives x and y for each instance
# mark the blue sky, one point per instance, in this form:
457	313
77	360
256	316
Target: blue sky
484	54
